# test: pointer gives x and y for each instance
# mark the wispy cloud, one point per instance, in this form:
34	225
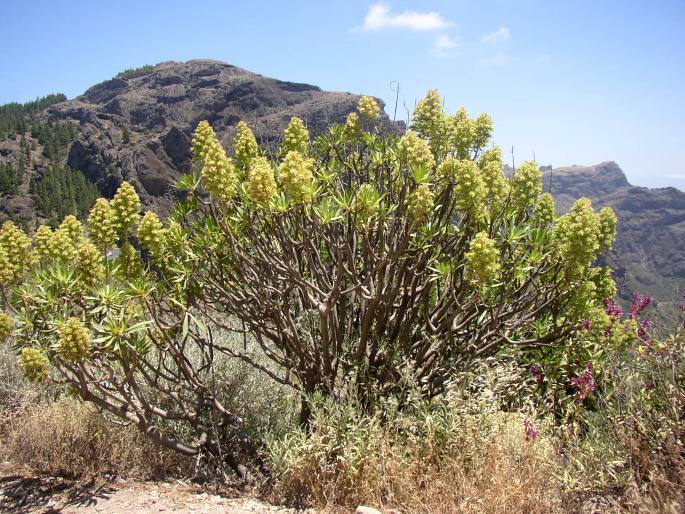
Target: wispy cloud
445	46
500	35
381	17
499	59
676	176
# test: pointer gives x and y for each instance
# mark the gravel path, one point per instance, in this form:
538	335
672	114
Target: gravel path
22	492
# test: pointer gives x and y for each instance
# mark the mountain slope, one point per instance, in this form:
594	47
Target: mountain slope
138	125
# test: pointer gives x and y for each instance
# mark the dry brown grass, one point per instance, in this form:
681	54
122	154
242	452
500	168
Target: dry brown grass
474	464
73	439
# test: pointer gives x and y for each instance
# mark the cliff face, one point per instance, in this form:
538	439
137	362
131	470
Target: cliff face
139	128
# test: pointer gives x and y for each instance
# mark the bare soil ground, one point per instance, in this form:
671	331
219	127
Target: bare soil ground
23	492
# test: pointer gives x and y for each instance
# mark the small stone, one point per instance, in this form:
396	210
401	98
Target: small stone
366	510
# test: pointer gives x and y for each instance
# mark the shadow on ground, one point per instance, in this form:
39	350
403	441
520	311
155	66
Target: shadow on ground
20	494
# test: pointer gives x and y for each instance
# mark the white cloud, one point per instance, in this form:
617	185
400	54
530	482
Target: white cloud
381	17
676	176
445	46
500	35
496	60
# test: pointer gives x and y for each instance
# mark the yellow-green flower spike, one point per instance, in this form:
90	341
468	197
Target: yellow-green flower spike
42	241
89	263
34	363
296	137
415	151
420	203
461	133
447	170
368	108
245	145
218	173
74	340
527	185
545	210
73	228
5	327
62	247
429	119
607	228
151	233
126	208
17	247
482	264
296	176
496	185
101	225
576	235
6	268
491	155
203	138
482	130
469	191
261	183
353	126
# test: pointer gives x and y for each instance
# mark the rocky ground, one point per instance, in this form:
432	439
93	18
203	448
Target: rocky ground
23	492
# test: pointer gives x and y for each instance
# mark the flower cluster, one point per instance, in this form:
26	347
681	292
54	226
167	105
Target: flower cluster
482	264
482	130
125	208
353	126
245	145
584	383
42	242
496	184
368	108
203	139
420	203
545	210
296	137
639	303
74	340
261	184
529	430
461	133
429	119
607	228
89	263
527	185
151	233
101	225
218	173
73	229
5	327
16	252
469	191
415	151
296	176
34	363
576	235
61	247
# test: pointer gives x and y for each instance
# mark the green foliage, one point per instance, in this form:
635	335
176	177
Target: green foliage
62	191
133	73
18	118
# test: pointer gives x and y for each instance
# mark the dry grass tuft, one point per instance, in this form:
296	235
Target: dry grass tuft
73	439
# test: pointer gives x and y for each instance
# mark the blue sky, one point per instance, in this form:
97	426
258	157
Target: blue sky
573	82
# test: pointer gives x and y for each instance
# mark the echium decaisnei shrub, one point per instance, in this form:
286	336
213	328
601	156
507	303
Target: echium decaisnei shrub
416	237
352	263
